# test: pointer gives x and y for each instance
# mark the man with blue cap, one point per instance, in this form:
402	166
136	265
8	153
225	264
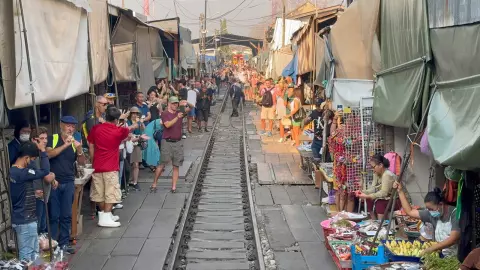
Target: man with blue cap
63	150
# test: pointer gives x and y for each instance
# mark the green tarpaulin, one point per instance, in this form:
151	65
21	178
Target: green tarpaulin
405	50
454	115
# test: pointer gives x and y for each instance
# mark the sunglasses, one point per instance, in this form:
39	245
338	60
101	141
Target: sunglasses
103	104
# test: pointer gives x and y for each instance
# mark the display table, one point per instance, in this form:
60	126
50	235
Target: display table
306	158
77	201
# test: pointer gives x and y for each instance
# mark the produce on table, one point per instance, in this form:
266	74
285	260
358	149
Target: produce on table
434	262
370	239
342	250
366	249
405	248
342	223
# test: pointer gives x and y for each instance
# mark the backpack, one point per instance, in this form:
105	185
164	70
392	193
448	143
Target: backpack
395	162
267	99
157	133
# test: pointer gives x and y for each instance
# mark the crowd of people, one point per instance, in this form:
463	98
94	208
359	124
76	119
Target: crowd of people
117	143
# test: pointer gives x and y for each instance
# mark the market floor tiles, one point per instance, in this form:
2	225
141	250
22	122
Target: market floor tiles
288	206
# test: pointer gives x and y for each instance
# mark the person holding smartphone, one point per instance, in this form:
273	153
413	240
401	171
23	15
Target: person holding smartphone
136	125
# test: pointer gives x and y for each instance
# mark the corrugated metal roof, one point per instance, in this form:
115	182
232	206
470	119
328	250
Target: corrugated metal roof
445	13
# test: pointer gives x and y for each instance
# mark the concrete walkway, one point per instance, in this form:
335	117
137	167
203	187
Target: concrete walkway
288	205
148	220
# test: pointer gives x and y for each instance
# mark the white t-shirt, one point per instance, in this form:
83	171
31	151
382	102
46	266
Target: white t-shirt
192	97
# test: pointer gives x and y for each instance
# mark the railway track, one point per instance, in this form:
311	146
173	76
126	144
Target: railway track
218	227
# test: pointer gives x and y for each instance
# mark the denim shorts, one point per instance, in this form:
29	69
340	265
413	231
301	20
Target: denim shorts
191	113
27	238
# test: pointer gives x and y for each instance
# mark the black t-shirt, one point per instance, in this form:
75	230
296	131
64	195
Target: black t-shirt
183	93
154	112
318	124
203	100
63	165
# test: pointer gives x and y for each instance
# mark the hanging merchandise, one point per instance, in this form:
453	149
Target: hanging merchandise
353	148
451	187
395	162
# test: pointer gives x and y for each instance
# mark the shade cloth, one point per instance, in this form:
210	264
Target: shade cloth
281	59
124	65
305	53
291	26
453	129
144	59
57	37
354	41
159	67
348	93
403	82
291	69
99	39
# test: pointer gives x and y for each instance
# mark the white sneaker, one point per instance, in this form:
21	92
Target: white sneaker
184	136
105	220
118	206
114	218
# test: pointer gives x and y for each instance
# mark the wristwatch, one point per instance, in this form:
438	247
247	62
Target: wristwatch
80	153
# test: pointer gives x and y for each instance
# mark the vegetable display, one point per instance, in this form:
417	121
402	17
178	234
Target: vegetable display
434	262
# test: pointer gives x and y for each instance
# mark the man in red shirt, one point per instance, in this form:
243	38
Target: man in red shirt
104	141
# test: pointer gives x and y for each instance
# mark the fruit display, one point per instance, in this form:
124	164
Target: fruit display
406	248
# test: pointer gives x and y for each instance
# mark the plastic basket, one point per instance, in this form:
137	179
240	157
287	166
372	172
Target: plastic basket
343	264
362	262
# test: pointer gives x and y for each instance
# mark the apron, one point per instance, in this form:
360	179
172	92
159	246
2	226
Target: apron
442	232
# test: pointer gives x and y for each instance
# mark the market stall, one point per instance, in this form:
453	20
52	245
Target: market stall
349	239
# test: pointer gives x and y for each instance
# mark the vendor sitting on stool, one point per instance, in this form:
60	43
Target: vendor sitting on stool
378	194
440	215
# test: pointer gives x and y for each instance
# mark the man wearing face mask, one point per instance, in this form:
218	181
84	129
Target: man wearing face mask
22	175
63	150
21	135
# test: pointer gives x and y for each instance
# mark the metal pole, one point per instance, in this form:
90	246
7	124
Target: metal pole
90	65
283	23
112	61
32	92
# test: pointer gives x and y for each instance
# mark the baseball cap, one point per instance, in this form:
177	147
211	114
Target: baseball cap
134	109
68	119
109	95
173	99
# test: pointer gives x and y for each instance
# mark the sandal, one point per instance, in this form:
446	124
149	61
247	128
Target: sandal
173	190
153	189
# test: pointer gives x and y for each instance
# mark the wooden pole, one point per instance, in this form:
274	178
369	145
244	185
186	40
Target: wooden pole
32	93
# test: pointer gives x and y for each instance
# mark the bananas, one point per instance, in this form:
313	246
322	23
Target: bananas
406	248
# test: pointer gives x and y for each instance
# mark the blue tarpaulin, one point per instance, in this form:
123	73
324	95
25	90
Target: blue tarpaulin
291	69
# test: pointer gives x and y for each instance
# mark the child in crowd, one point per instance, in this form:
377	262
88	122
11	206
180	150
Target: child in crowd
22	174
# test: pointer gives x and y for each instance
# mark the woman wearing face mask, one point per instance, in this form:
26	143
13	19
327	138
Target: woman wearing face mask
440	215
21	135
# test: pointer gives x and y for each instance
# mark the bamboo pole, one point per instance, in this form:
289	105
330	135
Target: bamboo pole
32	93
